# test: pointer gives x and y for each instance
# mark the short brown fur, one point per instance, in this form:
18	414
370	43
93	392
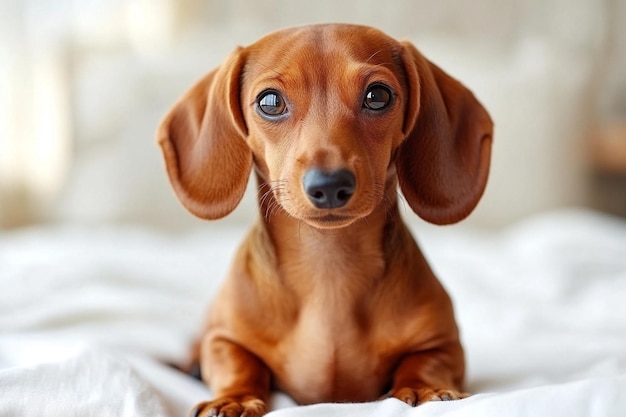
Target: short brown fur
329	304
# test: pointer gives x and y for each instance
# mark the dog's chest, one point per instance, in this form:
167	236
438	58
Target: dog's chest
330	355
322	361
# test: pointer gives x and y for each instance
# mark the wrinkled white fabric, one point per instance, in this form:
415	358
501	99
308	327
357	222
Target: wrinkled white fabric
89	317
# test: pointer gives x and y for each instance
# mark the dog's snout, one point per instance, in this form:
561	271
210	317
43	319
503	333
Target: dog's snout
329	189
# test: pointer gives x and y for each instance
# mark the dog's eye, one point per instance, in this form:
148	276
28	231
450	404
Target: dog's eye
271	103
377	97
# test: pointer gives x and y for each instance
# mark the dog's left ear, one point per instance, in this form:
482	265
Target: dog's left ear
443	164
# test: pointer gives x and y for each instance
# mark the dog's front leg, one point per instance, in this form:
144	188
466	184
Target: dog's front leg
432	375
240	381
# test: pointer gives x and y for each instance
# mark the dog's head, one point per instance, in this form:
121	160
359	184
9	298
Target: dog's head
329	115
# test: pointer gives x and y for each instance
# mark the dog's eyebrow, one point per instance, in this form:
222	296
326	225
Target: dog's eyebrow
372	67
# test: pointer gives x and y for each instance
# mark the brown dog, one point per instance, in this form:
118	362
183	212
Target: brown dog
329	298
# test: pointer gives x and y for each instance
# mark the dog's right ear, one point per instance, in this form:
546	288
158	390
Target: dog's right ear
203	141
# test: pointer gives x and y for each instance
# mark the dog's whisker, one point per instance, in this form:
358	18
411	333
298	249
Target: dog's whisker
272	209
269	212
265	196
276	190
373	55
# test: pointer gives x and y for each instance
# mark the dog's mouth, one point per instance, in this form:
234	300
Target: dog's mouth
330	221
331	218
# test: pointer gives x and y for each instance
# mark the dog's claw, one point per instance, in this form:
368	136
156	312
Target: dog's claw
414	397
230	407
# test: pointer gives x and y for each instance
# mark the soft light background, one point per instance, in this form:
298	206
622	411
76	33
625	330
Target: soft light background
84	83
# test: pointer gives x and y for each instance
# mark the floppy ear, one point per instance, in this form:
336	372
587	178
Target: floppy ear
202	138
443	164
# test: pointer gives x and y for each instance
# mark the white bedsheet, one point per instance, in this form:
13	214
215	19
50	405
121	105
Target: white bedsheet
89	316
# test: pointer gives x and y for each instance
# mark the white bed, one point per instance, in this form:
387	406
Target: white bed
89	316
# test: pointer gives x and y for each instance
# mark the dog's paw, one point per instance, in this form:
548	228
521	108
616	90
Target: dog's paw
246	406
416	396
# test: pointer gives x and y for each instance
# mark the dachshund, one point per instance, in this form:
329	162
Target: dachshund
329	298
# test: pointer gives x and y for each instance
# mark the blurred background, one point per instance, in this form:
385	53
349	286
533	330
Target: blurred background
84	83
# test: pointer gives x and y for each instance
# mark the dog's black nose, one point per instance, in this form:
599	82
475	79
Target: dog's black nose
329	189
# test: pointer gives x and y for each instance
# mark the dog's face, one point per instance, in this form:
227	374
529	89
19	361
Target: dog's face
324	111
329	116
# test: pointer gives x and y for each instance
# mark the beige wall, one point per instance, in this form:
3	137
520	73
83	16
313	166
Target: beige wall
79	146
